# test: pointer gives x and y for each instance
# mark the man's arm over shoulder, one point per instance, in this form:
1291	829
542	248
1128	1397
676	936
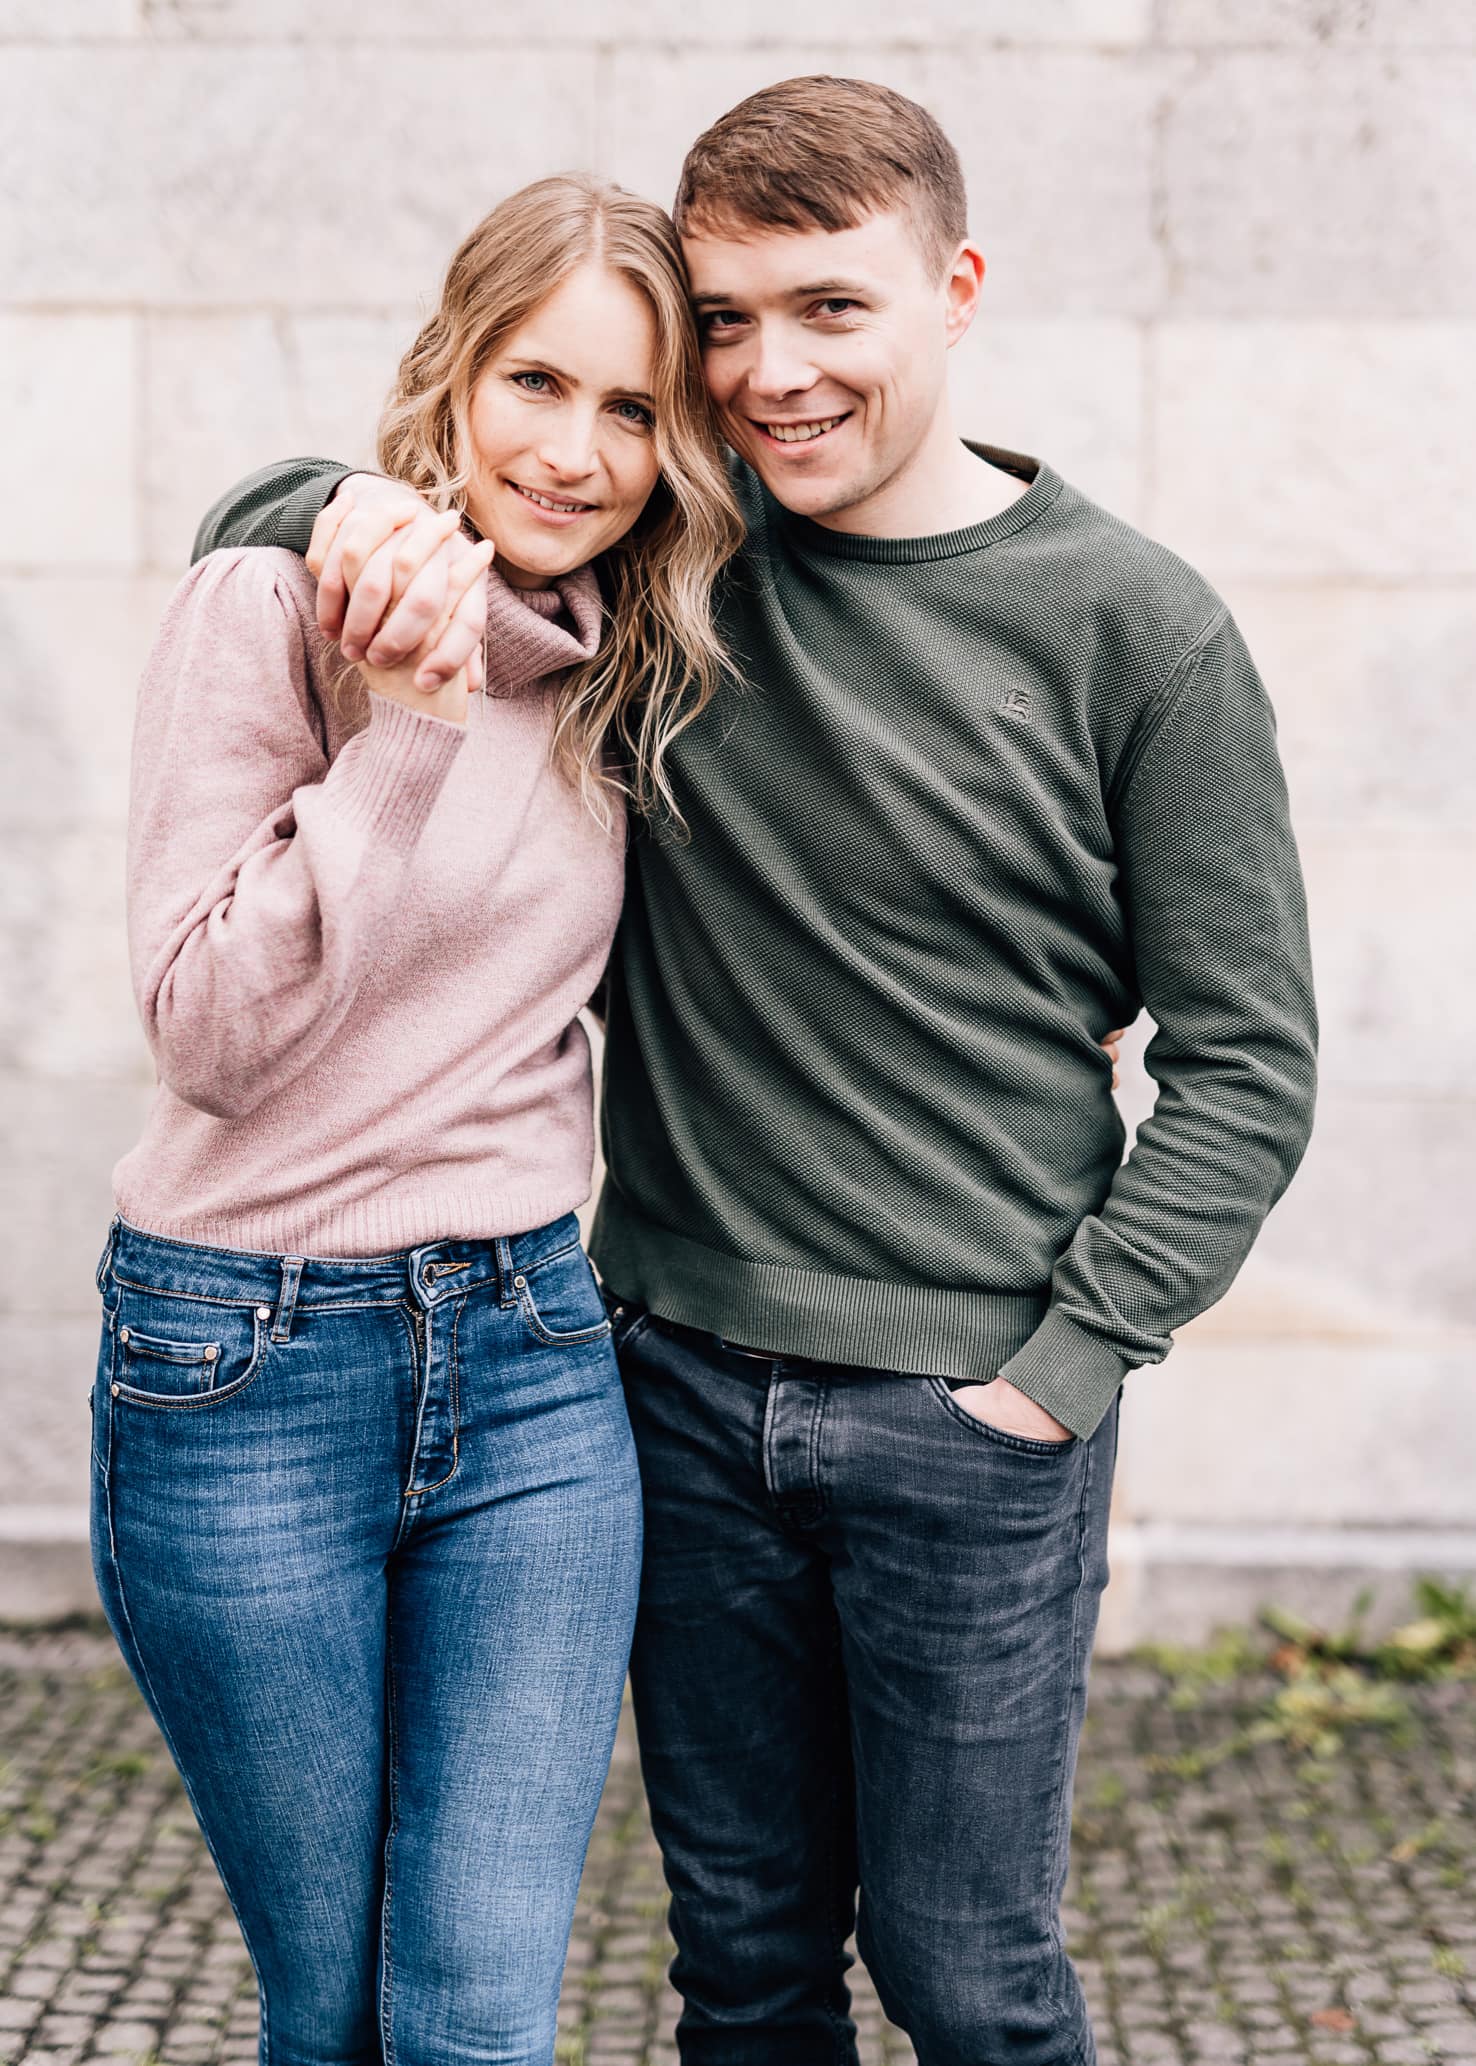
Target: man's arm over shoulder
277	506
1211	879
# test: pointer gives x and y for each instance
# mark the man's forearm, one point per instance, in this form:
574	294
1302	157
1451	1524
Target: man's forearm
277	506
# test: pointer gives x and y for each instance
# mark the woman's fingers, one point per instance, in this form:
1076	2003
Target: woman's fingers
379	578
459	638
419	610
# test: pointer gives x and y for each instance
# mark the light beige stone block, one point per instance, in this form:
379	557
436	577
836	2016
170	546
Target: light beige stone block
1050	22
59	1140
67	21
1066	392
46	1368
68	382
650	21
71	651
1285	451
226	394
1321	185
1178	1583
1254	1433
1374	690
1375	1227
67	1009
188	175
1373	23
1393	924
1025	125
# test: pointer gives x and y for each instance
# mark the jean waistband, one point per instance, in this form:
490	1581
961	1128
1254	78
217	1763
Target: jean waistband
235	1276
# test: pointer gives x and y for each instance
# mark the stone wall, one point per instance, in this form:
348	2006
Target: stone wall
1232	287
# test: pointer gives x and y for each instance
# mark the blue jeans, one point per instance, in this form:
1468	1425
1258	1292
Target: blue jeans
368	1534
860	1660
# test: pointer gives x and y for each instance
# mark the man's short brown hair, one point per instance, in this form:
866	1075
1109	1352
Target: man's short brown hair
823	153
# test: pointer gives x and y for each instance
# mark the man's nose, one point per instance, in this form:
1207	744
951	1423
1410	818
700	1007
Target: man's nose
780	367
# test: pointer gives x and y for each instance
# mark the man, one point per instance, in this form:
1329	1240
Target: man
999	772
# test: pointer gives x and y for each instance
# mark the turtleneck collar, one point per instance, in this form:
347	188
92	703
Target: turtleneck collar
533	632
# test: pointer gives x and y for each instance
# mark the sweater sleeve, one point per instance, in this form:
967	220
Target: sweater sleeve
261	875
277	506
1212	886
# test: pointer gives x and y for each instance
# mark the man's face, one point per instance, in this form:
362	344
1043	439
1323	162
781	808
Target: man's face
825	352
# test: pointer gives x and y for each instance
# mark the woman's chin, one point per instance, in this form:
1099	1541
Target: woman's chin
534	566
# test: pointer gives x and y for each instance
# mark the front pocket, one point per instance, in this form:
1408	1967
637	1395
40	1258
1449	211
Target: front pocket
561	1303
1002	1438
179	1352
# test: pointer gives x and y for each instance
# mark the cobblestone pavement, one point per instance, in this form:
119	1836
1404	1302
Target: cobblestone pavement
1264	1909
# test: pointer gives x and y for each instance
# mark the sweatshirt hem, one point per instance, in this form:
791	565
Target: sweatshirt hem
373	1227
925	1330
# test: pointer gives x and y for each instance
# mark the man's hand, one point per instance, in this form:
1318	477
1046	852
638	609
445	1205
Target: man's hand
385	562
1002	1405
1112	1041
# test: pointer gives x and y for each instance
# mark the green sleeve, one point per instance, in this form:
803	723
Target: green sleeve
1210	877
277	506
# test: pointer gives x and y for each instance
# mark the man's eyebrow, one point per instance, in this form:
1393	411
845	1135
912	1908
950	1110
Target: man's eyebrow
531	363
808	292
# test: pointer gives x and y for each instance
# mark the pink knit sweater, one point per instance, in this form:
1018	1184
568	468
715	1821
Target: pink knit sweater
358	954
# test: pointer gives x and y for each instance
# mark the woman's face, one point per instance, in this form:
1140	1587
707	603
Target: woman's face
563	454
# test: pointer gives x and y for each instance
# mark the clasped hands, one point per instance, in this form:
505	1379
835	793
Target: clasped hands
403	590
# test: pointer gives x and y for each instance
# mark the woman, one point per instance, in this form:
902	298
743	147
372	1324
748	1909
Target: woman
365	1511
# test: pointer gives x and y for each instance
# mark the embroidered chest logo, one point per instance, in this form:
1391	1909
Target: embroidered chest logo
1014	703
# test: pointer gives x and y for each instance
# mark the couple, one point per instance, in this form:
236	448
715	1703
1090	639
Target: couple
932	773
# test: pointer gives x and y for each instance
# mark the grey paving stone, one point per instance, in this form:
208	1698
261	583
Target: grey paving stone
1213	1918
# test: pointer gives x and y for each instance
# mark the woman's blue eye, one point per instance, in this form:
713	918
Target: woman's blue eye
634	413
520	378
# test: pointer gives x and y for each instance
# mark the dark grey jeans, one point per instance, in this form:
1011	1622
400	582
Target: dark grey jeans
860	1660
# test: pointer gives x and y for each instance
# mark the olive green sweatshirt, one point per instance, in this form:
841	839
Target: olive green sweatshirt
969	801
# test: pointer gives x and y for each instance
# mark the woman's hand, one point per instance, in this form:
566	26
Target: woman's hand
386	562
402	684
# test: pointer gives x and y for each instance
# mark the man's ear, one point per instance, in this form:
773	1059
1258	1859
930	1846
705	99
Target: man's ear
962	284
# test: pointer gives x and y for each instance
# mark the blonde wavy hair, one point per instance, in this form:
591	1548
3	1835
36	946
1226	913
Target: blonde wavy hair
660	657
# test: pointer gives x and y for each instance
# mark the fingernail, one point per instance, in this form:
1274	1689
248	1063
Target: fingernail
351	652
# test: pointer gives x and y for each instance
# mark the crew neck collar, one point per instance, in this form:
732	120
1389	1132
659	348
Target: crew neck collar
1045	485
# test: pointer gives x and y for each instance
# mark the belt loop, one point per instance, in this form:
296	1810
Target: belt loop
506	1296
287	1302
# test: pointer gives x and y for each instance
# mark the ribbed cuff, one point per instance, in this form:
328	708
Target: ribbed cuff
302	508
390	774
1073	1374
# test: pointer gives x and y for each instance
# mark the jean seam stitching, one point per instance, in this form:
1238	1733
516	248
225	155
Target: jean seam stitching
454	1390
386	2025
838	1932
164	1731
1061	1806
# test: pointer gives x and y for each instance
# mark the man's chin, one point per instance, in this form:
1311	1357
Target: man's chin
817	498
